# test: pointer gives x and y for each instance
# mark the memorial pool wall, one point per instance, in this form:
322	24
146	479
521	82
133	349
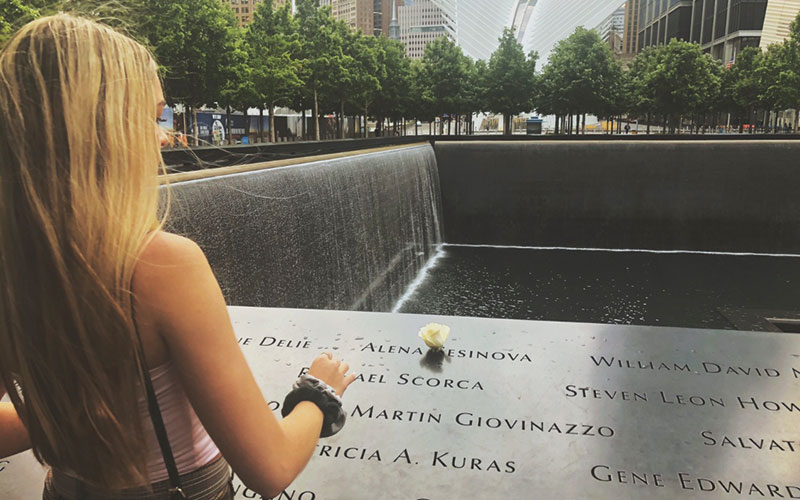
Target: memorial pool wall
353	232
344	233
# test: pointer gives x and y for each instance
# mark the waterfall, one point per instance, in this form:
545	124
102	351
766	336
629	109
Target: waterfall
347	233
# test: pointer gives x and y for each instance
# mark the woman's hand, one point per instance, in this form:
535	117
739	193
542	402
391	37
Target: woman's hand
332	371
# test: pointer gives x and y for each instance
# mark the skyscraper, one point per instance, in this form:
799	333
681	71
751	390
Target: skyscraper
358	14
630	37
721	27
244	9
420	22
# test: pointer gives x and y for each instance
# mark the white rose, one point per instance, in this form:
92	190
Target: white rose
434	335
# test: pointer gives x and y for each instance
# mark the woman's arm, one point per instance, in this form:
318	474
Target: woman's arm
176	286
13	435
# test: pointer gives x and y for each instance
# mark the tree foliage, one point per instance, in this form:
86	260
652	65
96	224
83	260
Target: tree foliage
307	60
444	75
580	77
270	43
509	79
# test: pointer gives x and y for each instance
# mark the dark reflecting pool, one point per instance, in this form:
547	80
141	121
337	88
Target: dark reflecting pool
723	291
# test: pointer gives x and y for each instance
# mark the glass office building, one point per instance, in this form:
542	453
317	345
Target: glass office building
721	27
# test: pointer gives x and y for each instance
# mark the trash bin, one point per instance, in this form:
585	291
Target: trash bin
534	126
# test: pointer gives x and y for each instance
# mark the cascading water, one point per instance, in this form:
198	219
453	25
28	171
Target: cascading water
349	233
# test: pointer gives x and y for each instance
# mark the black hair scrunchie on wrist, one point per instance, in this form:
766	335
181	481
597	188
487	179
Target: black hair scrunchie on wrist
317	392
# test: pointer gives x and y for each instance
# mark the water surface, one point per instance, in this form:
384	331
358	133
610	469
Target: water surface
722	291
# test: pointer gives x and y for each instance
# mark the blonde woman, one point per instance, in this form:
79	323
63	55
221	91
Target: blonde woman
112	332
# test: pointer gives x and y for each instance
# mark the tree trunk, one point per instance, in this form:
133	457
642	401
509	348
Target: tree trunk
303	125
341	116
556	125
228	125
648	123
195	127
316	115
261	123
583	125
183	115
273	135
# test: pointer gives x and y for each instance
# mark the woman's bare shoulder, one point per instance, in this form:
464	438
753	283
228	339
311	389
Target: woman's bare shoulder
170	269
165	248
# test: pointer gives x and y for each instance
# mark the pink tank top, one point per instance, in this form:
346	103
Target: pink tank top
192	447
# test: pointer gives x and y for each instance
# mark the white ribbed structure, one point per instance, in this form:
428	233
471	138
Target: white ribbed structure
554	20
779	15
476	25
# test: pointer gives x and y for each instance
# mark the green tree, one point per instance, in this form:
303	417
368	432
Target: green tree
779	74
272	43
357	73
641	99
742	84
238	91
683	81
321	50
509	80
394	98
125	15
191	40
13	13
444	74
420	102
581	76
474	97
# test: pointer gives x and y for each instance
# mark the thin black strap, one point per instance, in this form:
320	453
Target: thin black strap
176	490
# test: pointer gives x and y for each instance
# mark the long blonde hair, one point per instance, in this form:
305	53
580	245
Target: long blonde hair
79	159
